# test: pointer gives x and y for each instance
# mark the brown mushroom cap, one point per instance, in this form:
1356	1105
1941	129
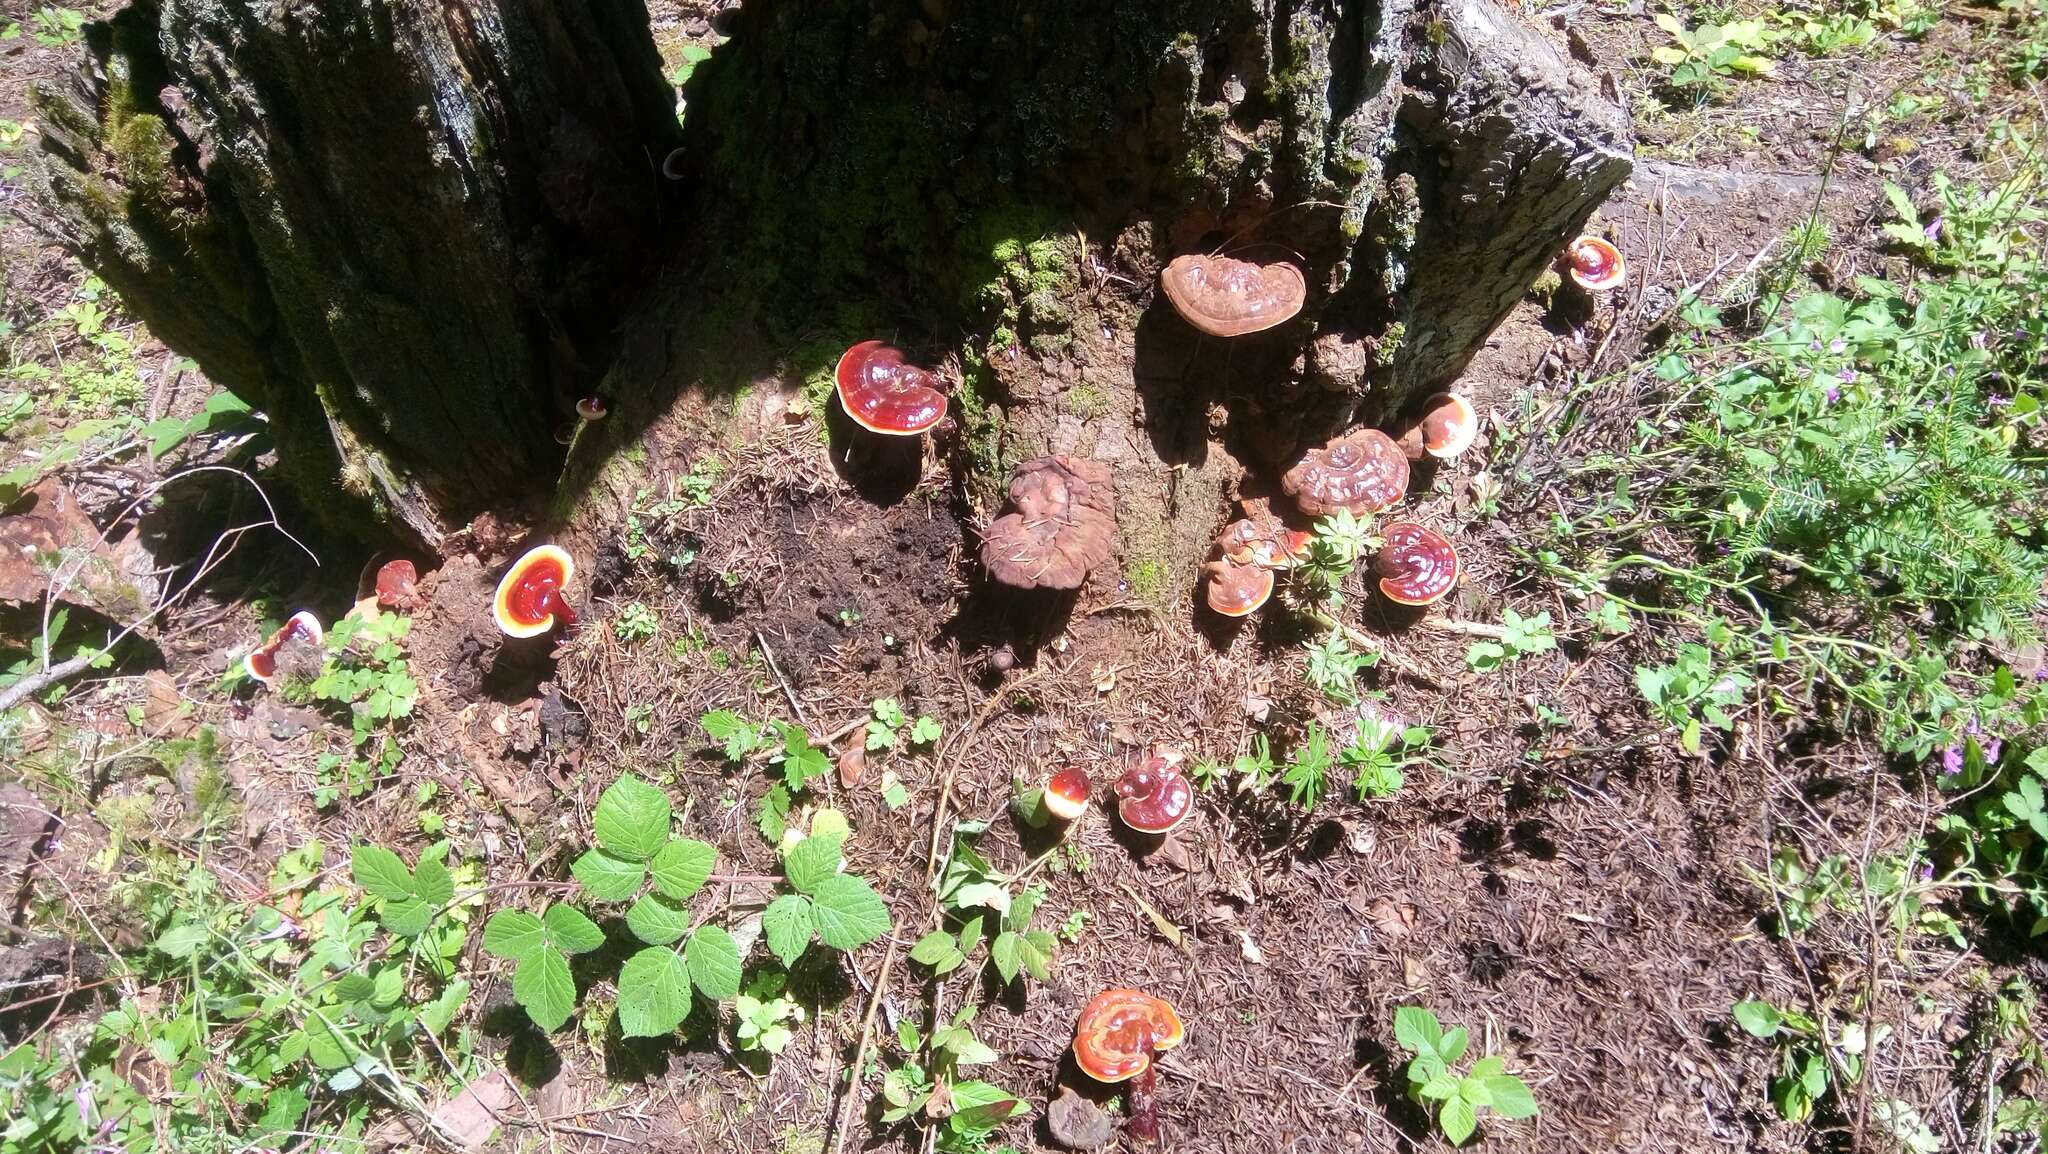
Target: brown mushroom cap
261	662
1596	265
1155	797
1237	590
1060	523
1120	1030
591	408
1363	471
1444	428
1066	793
1416	565
885	394
1263	542
1226	297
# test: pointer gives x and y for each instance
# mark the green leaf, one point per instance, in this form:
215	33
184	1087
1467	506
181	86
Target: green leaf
799	759
788	925
989	895
381	873
774	815
1417	1030
732	732
658	921
1512	1097
432	883
542	984
654	993
1004	953
1759	1018
937	950
514	935
713	959
632	819
1439	1087
182	941
569	931
437	1014
608	878
1458	1120
409	918
1452	1046
849	912
979	1107
682	867
812	860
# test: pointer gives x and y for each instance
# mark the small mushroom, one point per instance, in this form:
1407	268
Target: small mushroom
1227	297
1416	565
1066	793
1596	265
1263	542
591	408
1445	428
885	394
1363	471
1236	590
1118	1037
1060	523
530	599
398	585
302	628
1155	797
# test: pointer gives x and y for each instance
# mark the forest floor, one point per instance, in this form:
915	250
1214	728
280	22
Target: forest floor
1678	744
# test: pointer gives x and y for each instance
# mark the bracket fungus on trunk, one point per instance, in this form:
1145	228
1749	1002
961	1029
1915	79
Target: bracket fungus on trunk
1060	523
883	393
530	600
1363	471
1445	427
1227	297
302	628
1417	565
1235	590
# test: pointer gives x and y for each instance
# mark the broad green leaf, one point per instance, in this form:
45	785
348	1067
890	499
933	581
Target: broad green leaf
1511	1096
632	819
849	912
381	873
979	1107
773	819
654	993
1004	953
432	884
514	934
182	941
437	1014
1417	1030
1037	953
812	860
1452	1046
657	921
569	931
608	878
409	918
713	959
1458	1120
787	924
986	894
682	867
1474	1090
1759	1018
542	984
937	950
1488	1066
1439	1087
355	988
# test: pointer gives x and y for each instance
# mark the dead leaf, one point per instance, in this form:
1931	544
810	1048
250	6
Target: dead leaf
46	530
853	763
1166	929
1250	948
1102	679
1391	918
471	1117
163	707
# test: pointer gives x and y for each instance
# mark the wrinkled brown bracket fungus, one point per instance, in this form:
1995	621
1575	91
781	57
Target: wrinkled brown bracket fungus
1235	590
1060	523
1066	794
301	628
1445	427
1226	297
530	600
1154	797
1363	471
1417	565
1263	542
1596	265
885	394
1118	1037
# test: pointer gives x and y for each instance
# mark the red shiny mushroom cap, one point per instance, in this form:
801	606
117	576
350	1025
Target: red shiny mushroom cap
1445	428
1120	1031
1416	565
1154	797
397	584
1595	264
1066	794
884	394
530	599
1269	545
1363	471
261	663
591	408
1237	590
1226	297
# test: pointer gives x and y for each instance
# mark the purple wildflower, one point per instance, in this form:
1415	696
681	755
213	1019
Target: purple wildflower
1979	339
1952	760
1834	395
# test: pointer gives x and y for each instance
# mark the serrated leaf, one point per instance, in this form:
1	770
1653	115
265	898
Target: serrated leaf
542	984
1004	953
632	819
569	931
381	873
682	866
849	912
437	1014
1760	1019
1452	1046
713	959
355	988
1458	1120
432	883
654	993
979	1107
788	925
606	877
514	935
773	818
1037	954
812	860
937	950
409	918
658	921
181	941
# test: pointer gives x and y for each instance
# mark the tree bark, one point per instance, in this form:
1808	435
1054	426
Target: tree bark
404	230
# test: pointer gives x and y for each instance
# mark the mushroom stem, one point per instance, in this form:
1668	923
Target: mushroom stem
1145	1103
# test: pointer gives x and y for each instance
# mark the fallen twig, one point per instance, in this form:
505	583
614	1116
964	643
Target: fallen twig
840	1127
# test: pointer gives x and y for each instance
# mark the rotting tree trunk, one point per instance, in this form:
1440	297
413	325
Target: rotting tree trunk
407	230
404	230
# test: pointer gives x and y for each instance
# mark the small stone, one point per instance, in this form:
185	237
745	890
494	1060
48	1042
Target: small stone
1076	1123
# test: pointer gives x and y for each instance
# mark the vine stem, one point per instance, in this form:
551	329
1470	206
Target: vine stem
840	1127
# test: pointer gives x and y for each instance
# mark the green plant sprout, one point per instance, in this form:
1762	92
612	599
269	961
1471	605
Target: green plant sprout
1433	1076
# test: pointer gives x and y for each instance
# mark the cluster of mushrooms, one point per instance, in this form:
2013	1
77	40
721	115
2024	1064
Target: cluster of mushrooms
295	649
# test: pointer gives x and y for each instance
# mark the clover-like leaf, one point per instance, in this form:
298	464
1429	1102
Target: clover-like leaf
607	877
